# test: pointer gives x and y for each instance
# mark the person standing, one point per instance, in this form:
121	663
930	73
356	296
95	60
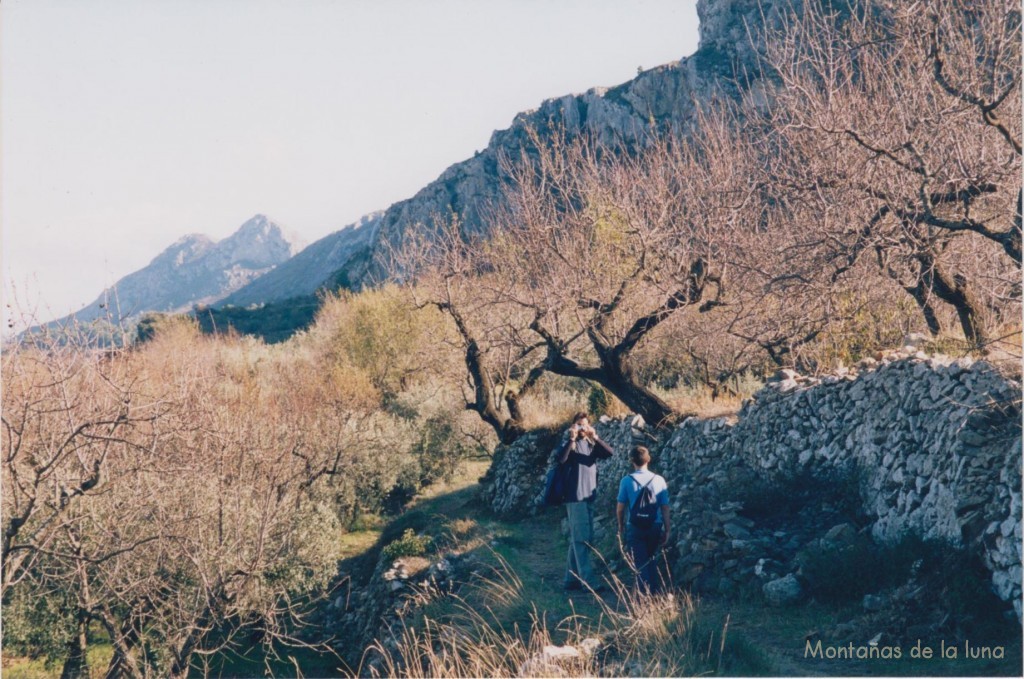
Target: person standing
643	542
582	449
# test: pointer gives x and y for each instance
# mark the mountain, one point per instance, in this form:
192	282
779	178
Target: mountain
667	97
193	270
307	271
725	63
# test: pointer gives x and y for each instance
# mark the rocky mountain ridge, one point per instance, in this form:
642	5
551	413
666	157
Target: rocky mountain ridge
310	269
194	270
664	97
725	64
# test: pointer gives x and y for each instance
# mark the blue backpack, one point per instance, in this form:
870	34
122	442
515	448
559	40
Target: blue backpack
645	508
556	486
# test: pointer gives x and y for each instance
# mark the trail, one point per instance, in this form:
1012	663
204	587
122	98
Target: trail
765	641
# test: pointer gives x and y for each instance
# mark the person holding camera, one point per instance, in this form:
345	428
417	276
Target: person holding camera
582	449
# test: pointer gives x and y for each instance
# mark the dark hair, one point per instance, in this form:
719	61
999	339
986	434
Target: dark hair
640	456
579	416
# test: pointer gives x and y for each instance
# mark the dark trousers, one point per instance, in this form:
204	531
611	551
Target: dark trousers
643	545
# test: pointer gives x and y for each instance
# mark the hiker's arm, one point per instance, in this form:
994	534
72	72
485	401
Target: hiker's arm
566	449
667	522
601	449
620	515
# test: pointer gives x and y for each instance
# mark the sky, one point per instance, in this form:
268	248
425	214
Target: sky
126	124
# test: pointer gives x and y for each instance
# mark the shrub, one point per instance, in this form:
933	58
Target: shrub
439	449
410	544
598	401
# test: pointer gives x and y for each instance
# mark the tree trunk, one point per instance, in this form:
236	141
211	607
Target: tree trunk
639	398
76	664
954	290
508	429
122	664
617	379
920	295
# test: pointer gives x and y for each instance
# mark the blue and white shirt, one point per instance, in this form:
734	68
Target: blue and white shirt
629	490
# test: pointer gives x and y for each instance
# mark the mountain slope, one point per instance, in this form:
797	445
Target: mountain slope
665	97
304	273
193	270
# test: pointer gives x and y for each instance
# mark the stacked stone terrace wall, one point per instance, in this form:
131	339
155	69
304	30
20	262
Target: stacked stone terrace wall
933	444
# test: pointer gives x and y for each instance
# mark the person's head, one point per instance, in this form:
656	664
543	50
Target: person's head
581	420
640	456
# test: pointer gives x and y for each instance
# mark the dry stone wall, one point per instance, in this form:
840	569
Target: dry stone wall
933	445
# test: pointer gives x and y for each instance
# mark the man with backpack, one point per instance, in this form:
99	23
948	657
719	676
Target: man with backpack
578	457
643	515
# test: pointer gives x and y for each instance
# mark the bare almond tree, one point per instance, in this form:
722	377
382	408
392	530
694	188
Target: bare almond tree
904	118
448	273
172	495
600	246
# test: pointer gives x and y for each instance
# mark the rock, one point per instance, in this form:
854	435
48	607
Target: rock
783	591
736	530
787	386
554	661
560	654
1006	528
692	572
874	602
786	374
915	339
767	568
590	646
844	533
972	438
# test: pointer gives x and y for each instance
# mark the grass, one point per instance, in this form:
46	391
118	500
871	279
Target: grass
99	654
513	611
700	401
500	622
501	625
514	607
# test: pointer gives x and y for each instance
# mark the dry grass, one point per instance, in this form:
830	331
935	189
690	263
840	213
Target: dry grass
475	633
699	399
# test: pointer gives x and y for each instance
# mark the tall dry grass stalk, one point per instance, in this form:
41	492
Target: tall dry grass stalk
476	634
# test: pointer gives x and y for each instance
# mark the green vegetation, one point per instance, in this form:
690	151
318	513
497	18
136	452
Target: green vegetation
272	322
409	544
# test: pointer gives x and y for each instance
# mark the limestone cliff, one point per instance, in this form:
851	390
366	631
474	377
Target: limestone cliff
666	96
725	62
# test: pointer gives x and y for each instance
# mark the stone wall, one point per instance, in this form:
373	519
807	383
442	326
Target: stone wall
932	444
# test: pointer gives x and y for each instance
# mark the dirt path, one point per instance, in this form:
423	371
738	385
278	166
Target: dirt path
770	642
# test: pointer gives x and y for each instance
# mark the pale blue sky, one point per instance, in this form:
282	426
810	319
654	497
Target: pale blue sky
125	124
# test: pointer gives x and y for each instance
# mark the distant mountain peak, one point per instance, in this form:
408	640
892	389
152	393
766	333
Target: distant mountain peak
312	268
195	269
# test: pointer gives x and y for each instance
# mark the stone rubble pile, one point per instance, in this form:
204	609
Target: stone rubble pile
396	588
931	444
